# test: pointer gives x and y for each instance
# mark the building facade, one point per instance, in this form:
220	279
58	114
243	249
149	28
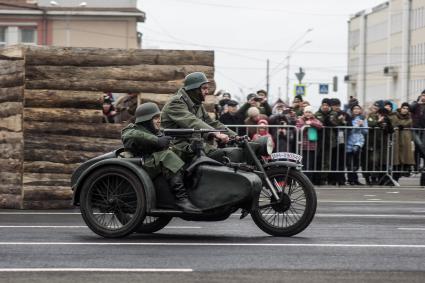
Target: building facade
71	23
386	52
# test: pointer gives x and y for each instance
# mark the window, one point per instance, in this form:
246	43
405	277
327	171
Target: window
3	36
28	35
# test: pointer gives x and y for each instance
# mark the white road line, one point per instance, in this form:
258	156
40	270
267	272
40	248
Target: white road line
208	244
83	226
392	192
182	227
40	213
369	195
370	215
418	211
372	201
411	229
96	269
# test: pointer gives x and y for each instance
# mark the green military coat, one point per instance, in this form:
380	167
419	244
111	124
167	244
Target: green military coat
181	113
141	142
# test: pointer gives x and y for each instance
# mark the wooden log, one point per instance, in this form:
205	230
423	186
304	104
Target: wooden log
112	131
64	156
63	115
11	123
12	80
10	189
11	66
10	178
49	167
63	99
11	201
10	137
47	204
11	94
130	73
47	193
12	151
46	179
76	143
10	108
15	52
60	56
10	165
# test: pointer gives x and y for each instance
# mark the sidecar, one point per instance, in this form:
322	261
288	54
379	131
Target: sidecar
117	197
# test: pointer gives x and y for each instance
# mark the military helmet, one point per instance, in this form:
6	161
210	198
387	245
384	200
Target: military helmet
195	80
146	112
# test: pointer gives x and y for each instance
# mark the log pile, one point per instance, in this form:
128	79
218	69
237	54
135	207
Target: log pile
51	111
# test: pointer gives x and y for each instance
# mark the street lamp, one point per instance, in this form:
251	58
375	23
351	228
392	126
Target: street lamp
68	15
291	50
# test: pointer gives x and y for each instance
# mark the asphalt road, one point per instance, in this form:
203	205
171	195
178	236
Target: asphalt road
358	235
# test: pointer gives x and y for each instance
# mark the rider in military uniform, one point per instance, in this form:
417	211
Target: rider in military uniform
185	110
145	139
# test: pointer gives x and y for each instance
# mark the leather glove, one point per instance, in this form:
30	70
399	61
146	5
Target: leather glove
164	141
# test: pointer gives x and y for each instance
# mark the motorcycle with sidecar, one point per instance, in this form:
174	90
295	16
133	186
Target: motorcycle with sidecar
117	197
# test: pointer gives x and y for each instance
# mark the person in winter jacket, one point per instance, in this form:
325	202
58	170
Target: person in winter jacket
355	143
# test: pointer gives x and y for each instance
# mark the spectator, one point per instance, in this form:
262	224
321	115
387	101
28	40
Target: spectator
402	144
297	105
355	143
338	152
417	109
252	100
264	105
126	106
233	117
108	110
309	141
253	117
262	130
327	139
221	106
285	136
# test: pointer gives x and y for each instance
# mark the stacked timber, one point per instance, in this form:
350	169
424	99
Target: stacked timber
11	135
60	120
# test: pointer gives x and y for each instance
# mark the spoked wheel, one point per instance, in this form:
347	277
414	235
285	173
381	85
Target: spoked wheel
113	202
296	209
152	224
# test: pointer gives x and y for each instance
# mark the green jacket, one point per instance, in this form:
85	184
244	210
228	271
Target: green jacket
181	113
141	142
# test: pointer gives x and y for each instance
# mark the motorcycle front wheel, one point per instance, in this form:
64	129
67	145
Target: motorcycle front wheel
113	202
295	209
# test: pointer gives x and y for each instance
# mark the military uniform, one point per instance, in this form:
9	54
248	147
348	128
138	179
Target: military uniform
142	142
181	112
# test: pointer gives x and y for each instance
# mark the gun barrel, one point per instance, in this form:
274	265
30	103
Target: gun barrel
188	132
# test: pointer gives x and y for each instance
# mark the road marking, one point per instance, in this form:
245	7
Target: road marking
369	195
40	213
208	244
392	192
96	269
371	215
83	226
412	229
418	211
374	199
182	227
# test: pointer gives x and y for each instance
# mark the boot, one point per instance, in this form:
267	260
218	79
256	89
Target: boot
179	191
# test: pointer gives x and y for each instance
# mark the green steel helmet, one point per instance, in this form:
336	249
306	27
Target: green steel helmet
195	80
146	112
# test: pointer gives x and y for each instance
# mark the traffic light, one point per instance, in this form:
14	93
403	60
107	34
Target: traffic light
335	84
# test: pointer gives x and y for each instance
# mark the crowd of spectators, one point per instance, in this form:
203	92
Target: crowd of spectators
335	139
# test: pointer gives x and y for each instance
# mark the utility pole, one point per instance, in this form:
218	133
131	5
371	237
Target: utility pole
268	76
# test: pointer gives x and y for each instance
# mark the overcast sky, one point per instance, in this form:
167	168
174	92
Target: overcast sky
245	33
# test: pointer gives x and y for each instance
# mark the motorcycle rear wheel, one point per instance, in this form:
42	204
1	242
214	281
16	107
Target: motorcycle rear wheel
113	202
297	208
152	224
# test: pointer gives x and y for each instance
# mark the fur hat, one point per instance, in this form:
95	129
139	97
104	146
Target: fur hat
252	112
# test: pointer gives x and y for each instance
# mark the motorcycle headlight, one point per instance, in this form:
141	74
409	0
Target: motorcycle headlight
266	145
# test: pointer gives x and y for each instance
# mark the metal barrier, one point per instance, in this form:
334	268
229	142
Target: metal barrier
375	153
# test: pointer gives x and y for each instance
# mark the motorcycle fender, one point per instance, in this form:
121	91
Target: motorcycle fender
281	164
136	169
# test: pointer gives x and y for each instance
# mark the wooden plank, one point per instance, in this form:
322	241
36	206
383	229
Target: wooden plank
10	108
11	94
47	193
10	201
85	116
63	99
49	167
64	142
46	179
12	123
56	156
47	204
112	131
145	73
61	56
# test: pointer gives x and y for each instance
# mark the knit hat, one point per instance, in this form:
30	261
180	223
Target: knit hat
334	102
326	101
262	122
355	105
309	109
262	91
251	95
253	111
231	102
300	97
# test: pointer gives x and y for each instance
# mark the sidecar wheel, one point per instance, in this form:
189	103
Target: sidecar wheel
113	202
152	224
296	210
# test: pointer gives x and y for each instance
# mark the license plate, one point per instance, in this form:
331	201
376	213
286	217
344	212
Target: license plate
287	156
